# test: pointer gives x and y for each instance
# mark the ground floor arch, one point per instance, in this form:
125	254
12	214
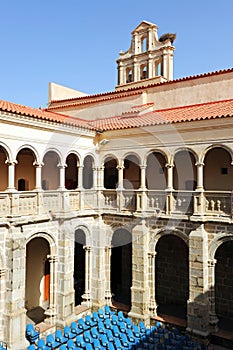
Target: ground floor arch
224	285
171	276
121	266
37	289
79	265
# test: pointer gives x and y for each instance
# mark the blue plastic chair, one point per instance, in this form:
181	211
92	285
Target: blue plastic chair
101	328
82	325
122	327
75	329
70	345
117	344
68	334
95	316
51	342
108	323
108	311
87	337
101	314
124	340
110	335
89	347
41	345
97	345
94	333
116	332
89	322
129	323
80	342
59	337
121	316
32	334
103	340
30	347
115	319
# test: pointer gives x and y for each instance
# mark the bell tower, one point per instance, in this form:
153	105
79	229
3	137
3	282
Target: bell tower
149	59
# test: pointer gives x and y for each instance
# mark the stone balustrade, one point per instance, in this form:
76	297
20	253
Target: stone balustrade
195	204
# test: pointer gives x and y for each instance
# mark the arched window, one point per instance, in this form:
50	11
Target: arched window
144	44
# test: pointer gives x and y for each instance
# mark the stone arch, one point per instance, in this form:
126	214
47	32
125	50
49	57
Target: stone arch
88	171
25	171
110	172
7	150
185	178
93	156
132	171
218	145
121	266
58	153
38	281
109	155
4	161
79	265
156	171
50	170
158	233
171	275
32	148
218	161
156	150
217	242
71	171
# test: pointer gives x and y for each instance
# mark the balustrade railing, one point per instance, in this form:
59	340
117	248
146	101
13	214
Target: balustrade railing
203	203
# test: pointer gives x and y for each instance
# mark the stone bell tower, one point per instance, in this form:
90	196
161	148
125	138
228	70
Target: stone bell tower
149	59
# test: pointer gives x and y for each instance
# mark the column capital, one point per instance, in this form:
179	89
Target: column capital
142	166
61	166
119	167
212	262
169	165
152	254
11	162
38	164
199	164
87	248
52	258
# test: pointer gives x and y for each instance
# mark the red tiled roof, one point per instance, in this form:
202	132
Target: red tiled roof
42	114
210	110
202	111
72	102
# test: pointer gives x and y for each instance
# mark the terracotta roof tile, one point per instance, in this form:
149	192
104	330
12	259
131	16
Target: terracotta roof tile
210	110
42	114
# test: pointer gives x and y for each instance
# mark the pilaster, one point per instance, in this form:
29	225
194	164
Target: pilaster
198	305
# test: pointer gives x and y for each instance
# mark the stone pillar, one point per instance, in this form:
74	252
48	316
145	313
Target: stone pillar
136	73
11	175
143	177
150	67
15	313
38	175
213	319
199	175
120	169
62	177
95	177
141	204
108	293
88	276
151	277
100	177
98	267
65	273
80	177
2	302
169	189
52	310
198	305
140	281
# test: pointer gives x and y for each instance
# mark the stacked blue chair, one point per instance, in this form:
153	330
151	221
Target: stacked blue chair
3	345
32	334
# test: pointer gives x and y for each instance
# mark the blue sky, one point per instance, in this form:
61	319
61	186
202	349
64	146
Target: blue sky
76	43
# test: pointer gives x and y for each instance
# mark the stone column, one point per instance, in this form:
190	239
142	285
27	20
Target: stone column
169	189
2	301
120	169
198	305
199	199
11	175
141	194
136	73
108	293
38	175
200	167
95	177
168	63
80	177
151	277
140	281
52	310
15	313
150	67
88	276
213	319
62	177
